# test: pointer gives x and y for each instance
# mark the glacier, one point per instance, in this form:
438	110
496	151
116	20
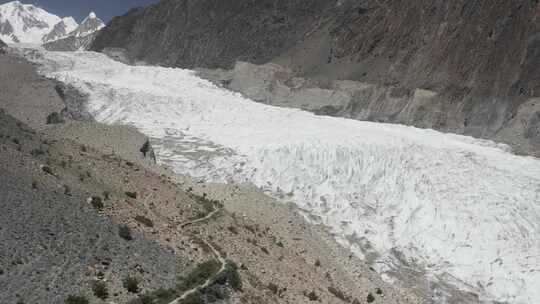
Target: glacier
462	209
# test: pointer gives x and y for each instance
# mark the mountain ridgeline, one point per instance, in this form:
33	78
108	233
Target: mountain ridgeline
467	67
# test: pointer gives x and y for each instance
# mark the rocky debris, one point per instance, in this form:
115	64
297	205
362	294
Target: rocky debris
277	85
463	67
122	141
53	244
3	45
74	102
24	94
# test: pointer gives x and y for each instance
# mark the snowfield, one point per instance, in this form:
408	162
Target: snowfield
465	210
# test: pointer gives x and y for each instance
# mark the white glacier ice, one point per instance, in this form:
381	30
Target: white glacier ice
459	207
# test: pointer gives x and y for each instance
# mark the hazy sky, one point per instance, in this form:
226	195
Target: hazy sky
79	9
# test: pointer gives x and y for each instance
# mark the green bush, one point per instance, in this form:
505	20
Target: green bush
131	284
193	298
200	274
124	232
132	195
76	300
96	202
230	275
100	290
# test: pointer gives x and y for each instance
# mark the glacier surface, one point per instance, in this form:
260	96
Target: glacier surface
464	210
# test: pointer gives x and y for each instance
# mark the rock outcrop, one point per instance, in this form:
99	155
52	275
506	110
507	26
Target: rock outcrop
461	66
3	47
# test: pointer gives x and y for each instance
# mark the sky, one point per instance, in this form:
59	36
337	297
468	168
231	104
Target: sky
79	9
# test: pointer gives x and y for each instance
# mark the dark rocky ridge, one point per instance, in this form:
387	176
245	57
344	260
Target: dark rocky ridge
212	33
480	59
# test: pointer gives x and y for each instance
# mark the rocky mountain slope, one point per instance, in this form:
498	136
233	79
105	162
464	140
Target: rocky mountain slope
462	67
87	214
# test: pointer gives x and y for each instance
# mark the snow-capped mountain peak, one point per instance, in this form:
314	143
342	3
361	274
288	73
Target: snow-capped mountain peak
27	23
61	29
90	25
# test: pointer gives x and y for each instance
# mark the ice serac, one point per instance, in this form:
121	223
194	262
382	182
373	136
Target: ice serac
25	23
464	211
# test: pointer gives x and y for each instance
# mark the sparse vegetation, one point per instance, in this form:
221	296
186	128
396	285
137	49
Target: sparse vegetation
37	152
273	288
196	277
230	275
250	228
317	263
207	204
47	170
199	275
83	148
312	296
233	229
55	118
132	195
338	294
96	202
34	185
131	284
72	299
124	232
370	298
193	298
144	220
99	288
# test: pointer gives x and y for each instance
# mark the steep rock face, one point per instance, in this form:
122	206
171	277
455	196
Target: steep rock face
70	43
212	33
479	60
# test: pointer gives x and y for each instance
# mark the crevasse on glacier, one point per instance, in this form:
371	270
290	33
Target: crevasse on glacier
457	206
